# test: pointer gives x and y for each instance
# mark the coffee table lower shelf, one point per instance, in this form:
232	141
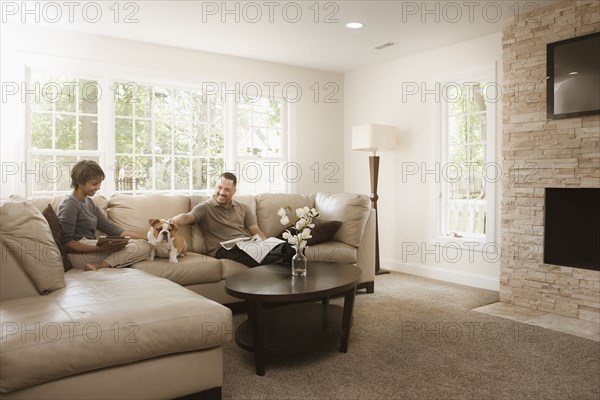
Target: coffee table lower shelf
295	328
288	315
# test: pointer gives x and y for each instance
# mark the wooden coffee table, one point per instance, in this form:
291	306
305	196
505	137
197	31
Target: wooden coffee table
297	325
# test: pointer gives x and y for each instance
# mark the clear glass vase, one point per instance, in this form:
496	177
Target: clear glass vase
299	263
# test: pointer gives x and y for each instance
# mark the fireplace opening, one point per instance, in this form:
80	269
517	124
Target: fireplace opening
572	227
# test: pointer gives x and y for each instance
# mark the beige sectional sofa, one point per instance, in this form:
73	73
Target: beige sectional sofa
129	333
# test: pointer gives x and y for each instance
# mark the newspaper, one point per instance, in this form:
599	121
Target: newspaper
254	246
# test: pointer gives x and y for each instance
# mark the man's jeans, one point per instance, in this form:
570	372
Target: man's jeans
281	253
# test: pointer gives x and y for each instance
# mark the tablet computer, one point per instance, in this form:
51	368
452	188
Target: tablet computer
112	239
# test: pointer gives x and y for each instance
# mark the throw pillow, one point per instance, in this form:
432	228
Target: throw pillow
322	232
54	223
27	236
352	209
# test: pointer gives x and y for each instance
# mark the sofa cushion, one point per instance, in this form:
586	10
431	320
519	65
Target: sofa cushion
352	209
101	202
42	202
192	269
54	224
133	212
102	319
14	282
332	252
267	205
27	236
231	267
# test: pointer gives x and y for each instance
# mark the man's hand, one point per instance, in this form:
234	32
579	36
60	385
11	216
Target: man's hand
255	230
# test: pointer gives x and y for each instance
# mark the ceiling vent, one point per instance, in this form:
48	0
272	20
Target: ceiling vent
384	45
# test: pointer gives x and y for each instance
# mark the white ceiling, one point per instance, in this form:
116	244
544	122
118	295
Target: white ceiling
274	31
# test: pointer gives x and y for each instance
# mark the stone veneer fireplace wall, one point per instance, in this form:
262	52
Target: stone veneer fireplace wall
540	153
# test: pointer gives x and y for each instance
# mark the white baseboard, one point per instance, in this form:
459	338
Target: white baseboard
462	278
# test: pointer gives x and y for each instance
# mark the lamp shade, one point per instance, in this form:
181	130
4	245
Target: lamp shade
373	137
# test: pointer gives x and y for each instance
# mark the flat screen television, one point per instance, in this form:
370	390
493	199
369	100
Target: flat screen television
573	77
572	227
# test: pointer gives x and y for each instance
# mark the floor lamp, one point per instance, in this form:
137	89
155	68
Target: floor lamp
374	138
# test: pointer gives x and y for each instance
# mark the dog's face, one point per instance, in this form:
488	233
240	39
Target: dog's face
162	230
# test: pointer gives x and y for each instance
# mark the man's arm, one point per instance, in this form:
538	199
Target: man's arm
183	219
255	230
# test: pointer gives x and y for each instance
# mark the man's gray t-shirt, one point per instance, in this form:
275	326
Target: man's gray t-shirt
80	219
219	224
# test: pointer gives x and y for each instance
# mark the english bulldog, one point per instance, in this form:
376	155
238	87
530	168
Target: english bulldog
165	241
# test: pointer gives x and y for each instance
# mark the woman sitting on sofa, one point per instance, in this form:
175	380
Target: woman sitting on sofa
80	218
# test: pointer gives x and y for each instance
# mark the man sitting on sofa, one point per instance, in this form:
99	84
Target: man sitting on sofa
221	218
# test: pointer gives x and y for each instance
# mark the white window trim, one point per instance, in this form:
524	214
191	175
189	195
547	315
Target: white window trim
107	74
110	145
53	66
485	73
285	129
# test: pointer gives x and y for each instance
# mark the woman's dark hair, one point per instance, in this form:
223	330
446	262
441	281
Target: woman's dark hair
229	176
85	171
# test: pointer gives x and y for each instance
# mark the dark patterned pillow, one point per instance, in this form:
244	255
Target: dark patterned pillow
322	232
54	223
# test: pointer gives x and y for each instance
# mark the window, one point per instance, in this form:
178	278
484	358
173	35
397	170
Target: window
260	145
63	127
466	193
166	139
159	138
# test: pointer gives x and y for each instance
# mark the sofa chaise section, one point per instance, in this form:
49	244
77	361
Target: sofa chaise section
107	319
114	333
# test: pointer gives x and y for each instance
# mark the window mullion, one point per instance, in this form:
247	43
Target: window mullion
107	133
231	144
152	156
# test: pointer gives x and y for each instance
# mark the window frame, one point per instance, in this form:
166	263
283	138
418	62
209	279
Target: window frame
112	154
30	152
106	75
251	188
439	203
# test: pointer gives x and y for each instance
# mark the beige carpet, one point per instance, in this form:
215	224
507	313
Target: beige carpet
417	338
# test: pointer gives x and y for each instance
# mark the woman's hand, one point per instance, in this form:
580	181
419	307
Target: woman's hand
112	245
135	235
81	248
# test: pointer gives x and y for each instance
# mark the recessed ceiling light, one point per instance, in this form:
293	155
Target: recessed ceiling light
354	25
574	73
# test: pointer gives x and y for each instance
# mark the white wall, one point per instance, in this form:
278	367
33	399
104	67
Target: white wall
317	125
375	95
323	130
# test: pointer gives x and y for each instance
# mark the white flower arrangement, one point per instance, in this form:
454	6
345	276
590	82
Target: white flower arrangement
306	216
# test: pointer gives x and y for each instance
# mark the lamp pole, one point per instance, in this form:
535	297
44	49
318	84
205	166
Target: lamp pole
374	169
373	137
